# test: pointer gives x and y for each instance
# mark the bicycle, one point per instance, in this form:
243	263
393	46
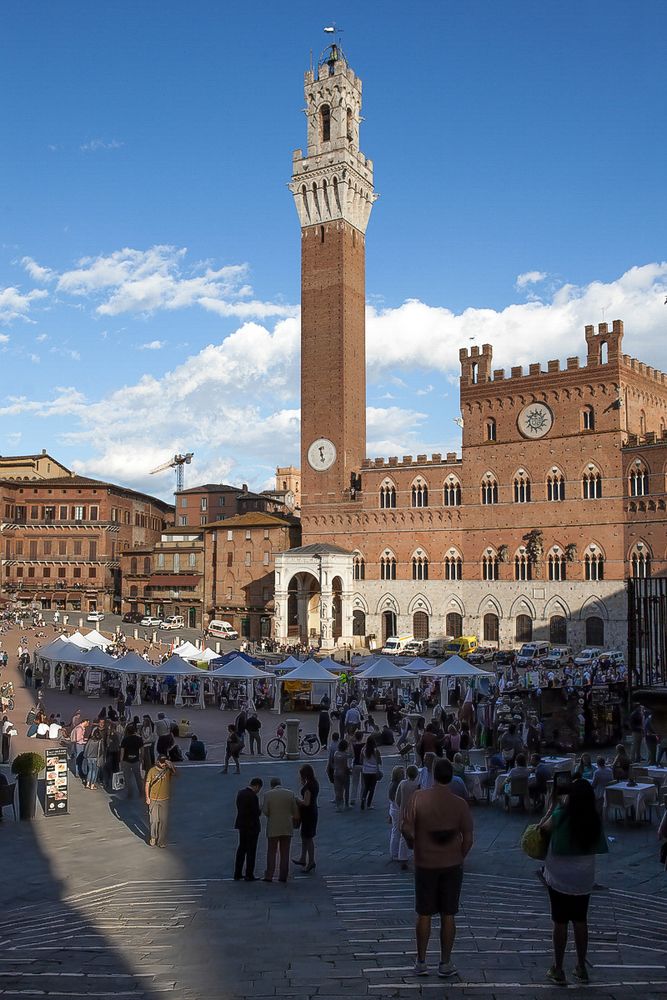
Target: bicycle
277	747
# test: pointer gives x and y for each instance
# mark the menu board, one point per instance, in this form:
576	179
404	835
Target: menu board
57	777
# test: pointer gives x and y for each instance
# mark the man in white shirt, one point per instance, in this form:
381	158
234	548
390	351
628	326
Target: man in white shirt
602	776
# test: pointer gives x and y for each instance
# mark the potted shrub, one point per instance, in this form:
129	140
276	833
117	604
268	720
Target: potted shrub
26	767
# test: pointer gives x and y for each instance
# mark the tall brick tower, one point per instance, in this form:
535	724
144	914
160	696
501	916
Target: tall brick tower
333	192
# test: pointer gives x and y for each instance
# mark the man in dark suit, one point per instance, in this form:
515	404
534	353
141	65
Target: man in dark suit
248	824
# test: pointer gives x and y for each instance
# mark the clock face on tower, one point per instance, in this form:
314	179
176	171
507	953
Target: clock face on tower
321	454
535	420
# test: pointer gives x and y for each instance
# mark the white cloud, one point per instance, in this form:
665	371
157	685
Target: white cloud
144	281
529	278
41	338
16	305
419	336
424	390
152	345
36	271
95	145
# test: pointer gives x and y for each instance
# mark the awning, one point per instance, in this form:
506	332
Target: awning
175	580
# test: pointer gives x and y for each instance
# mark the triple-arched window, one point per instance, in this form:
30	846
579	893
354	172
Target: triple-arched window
638	479
556	564
640	561
419	493
420	566
591	483
490	565
358	566
452	492
387	565
521	487
555	485
522	566
489	489
387	495
593	563
453	565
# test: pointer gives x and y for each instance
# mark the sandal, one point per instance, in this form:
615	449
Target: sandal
557	976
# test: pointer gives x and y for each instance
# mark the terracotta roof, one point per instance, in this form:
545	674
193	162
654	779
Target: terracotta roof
212	488
23	458
73	482
254	519
319	548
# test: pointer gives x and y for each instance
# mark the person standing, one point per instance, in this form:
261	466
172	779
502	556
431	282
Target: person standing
308	811
397	776
253	729
248	813
357	750
233	748
341	775
371	773
158	792
636	721
93	755
130	755
438	824
569	872
282	816
324	724
7	732
404	793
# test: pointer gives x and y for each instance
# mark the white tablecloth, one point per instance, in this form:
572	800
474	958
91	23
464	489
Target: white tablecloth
559	763
636	796
657	774
473	780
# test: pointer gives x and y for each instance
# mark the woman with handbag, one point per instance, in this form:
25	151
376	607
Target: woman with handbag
342	770
371	772
308	811
576	836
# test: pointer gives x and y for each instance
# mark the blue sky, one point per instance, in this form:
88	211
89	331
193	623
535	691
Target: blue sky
149	249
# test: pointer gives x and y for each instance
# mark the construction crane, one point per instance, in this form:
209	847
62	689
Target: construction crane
178	462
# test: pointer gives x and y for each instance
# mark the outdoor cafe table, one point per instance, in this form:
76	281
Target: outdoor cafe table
636	796
559	763
657	774
473	778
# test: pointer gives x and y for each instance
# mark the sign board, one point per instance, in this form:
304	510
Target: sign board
57	777
93	683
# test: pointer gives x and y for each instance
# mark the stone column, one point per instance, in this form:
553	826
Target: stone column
292	737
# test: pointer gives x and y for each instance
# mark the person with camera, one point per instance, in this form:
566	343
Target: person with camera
575	838
158	793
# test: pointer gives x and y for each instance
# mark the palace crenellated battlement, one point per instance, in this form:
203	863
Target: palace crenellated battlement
436	459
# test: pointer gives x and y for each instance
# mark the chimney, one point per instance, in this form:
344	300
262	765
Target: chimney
244	488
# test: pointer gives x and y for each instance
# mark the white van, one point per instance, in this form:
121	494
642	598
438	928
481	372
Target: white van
416	647
587	657
532	651
221	630
174	621
437	646
395	644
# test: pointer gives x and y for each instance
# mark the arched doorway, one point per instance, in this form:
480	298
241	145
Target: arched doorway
420	625
594	632
303	607
524	628
558	630
358	623
388	625
454	624
491	627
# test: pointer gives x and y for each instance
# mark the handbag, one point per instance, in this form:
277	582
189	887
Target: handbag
117	781
535	842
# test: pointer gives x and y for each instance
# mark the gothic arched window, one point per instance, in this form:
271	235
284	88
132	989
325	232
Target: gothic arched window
325	123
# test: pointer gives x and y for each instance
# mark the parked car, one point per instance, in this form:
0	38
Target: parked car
531	652
174	621
134	617
611	658
416	647
95	616
221	630
483	654
504	657
151	620
587	657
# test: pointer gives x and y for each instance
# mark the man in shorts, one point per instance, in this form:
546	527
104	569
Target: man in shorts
438	824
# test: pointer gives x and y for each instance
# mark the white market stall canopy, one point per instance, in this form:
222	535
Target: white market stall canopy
418	665
456	666
205	657
176	666
77	639
96	638
291	663
238	669
312	671
188	651
132	663
71	654
330	664
100	660
384	670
